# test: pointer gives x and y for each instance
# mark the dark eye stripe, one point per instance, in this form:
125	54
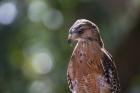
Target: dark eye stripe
80	31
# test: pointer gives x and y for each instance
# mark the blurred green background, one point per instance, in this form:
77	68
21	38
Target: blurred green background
34	53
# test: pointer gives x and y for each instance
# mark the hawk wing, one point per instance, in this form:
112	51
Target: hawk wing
110	72
71	73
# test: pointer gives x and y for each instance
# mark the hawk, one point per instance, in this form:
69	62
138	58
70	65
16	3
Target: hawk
91	68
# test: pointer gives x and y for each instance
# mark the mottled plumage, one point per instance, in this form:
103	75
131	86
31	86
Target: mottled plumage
91	68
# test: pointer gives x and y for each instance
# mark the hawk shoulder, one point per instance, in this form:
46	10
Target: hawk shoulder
110	72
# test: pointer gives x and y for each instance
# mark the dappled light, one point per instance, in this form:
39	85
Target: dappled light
53	19
36	10
39	11
41	86
8	13
42	63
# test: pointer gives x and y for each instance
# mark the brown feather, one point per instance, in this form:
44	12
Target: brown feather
91	68
85	69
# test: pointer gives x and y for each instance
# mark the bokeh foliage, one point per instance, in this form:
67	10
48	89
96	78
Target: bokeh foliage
34	53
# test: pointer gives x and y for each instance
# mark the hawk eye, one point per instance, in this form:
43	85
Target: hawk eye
80	31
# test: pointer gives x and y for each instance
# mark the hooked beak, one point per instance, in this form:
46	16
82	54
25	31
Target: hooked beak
69	39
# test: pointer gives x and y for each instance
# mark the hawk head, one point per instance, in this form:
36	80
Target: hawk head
84	29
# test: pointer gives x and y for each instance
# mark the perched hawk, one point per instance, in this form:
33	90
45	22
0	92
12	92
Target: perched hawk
91	68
